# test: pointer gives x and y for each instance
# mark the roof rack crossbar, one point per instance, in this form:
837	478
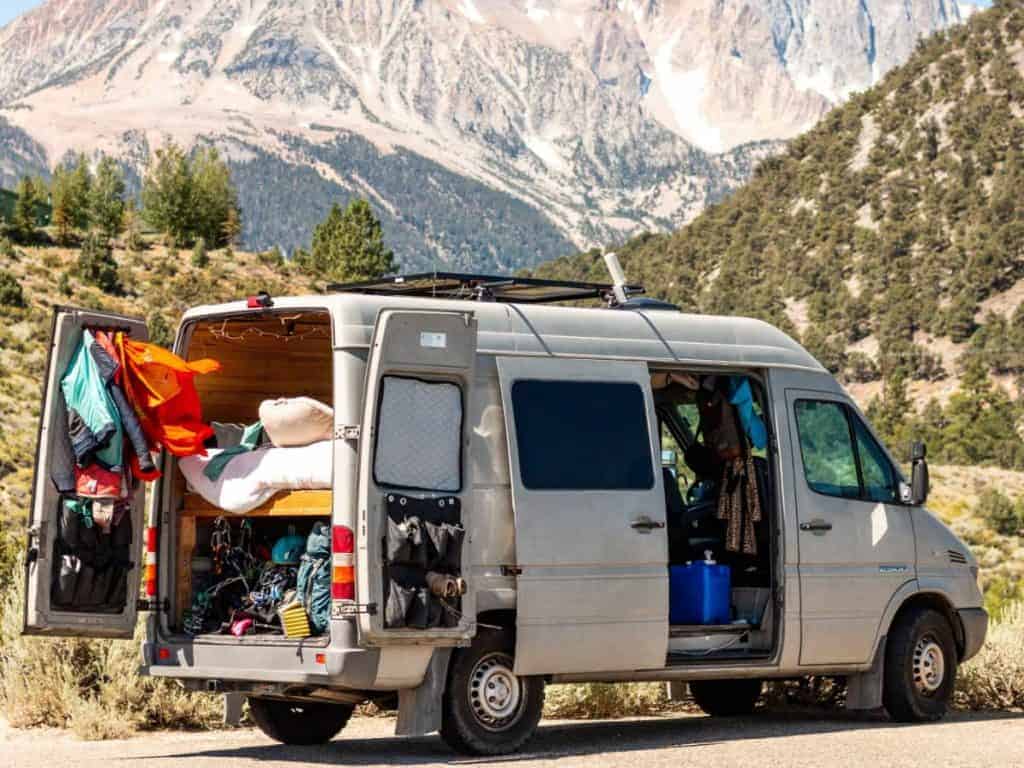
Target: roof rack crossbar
471	287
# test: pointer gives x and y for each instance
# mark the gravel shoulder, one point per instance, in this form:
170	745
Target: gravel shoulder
790	739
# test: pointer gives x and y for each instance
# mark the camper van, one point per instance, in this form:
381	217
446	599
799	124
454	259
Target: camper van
518	490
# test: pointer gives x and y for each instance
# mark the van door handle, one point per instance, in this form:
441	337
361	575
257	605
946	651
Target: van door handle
645	524
818	526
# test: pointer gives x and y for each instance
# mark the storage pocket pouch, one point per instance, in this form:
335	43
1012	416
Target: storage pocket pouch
446	540
406	541
399	602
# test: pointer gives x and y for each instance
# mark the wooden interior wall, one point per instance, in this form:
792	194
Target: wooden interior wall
258	364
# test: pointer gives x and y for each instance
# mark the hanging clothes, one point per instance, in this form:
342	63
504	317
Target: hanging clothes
93	420
739	505
741	396
105	356
160	387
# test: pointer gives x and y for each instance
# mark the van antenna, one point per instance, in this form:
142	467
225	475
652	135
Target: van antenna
619	292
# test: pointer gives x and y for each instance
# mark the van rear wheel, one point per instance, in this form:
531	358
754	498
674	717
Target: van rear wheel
299	722
920	667
726	698
486	709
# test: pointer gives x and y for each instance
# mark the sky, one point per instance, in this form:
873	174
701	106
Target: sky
11	8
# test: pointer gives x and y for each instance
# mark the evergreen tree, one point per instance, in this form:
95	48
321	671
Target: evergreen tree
132	228
215	198
168	194
61	200
25	220
349	245
80	190
106	198
10	290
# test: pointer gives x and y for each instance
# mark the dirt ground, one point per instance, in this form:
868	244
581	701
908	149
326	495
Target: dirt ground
834	740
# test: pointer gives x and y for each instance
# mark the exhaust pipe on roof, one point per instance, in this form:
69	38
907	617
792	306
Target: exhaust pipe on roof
611	261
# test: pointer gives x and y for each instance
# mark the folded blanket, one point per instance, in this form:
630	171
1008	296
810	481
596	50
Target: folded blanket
250	479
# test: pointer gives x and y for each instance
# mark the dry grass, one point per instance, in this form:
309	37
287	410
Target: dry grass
91	687
994	679
603	700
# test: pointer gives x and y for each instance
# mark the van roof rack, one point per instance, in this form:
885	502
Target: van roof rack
469	287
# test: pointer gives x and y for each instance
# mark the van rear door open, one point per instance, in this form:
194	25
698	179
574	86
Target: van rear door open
413	477
50	606
591	543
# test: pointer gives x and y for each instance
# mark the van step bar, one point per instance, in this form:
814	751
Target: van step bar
697	630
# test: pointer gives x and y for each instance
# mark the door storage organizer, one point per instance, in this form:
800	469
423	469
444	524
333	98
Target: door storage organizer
423	587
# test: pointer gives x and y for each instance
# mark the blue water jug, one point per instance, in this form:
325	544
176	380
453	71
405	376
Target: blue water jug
699	593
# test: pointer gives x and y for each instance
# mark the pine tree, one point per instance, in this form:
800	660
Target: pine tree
132	228
25	219
106	198
349	245
168	194
80	190
62	202
215	198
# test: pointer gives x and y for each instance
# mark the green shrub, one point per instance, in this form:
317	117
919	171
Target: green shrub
200	258
999	512
10	291
96	264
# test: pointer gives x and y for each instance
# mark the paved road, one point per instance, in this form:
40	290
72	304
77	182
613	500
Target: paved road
831	741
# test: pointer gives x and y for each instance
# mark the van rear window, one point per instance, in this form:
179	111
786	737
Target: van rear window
419	435
582	435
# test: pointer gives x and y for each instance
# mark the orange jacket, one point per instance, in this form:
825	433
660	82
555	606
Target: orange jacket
159	386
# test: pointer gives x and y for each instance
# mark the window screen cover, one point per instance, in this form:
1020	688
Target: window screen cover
419	435
582	435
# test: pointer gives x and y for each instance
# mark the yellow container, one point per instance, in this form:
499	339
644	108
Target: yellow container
294	620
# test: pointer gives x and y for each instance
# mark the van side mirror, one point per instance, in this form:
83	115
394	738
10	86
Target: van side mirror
919	480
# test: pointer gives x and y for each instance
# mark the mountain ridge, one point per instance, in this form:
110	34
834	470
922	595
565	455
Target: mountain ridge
602	118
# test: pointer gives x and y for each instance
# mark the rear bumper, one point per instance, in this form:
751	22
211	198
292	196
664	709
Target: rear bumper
337	665
975	624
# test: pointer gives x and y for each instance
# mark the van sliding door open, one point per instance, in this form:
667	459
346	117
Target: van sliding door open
591	543
414	494
82	571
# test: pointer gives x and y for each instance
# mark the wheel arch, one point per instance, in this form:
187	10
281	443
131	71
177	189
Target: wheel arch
936	601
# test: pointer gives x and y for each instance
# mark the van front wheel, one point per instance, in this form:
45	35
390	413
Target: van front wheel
920	666
726	698
300	723
486	709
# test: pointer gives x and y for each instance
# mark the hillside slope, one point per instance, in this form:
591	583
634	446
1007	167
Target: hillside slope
890	238
155	284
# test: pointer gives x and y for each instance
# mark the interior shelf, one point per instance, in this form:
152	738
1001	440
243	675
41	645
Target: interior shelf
284	504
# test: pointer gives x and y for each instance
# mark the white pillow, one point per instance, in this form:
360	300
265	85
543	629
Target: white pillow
292	421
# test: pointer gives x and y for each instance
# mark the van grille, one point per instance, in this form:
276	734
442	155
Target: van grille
956	557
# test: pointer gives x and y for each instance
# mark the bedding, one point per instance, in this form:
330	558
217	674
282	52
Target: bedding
250	479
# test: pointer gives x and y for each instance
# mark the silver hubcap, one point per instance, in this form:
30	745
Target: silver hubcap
495	694
929	665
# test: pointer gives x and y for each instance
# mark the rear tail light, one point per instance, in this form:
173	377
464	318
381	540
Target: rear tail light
343	577
150	576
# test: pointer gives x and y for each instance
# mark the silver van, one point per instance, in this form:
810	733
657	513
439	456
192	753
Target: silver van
569	454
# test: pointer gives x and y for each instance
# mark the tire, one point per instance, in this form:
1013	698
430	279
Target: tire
920	667
300	723
726	698
473	723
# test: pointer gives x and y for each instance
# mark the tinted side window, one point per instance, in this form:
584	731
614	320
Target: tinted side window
876	469
582	435
826	445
